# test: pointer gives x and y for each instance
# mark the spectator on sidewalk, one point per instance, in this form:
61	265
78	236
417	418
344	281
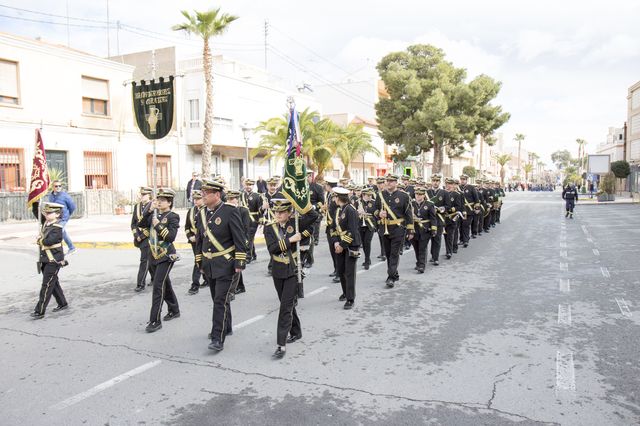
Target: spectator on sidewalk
61	197
194	183
261	185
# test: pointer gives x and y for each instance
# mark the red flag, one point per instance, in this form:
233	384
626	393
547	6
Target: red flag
39	173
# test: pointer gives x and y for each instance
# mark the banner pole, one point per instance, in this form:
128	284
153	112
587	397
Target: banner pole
298	249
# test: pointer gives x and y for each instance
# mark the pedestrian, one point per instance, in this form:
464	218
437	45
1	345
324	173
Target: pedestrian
51	259
58	195
222	247
140	227
261	185
164	228
591	188
396	218
570	196
281	238
191	230
346	243
194	184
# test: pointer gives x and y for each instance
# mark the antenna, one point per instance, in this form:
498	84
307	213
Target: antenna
266	34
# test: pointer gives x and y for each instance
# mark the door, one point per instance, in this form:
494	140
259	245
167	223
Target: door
237	172
57	160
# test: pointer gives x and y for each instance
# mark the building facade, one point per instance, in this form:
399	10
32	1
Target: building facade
633	136
614	144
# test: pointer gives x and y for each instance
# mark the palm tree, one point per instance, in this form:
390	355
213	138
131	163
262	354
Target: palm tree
206	25
502	159
528	168
352	142
519	138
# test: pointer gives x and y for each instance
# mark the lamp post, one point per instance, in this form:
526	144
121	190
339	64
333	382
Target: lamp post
246	133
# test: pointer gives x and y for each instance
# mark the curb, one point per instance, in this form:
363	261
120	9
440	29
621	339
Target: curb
123	246
605	202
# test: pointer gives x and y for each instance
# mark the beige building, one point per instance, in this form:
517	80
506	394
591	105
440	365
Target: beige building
614	145
633	136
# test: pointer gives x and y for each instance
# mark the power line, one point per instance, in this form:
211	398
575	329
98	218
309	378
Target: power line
52	14
53	23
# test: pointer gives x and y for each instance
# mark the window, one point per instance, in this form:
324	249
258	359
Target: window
95	96
635	99
163	170
12	177
194	113
8	82
97	170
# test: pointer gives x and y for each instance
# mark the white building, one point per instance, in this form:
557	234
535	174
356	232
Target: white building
614	145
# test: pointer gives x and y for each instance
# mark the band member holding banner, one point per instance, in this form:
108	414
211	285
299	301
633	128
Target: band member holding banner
424	218
51	259
222	252
164	228
140	225
190	228
368	225
396	218
346	243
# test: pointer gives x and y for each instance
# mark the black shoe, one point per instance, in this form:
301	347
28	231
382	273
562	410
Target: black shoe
240	290
381	257
436	263
153	326
431	260
348	304
216	345
204	284
465	245
448	255
193	290
209	336
138	288
36	315
366	266
333	274
292	339
279	353
474	236
232	297
342	298
415	268
420	270
249	260
268	273
60	308
229	333
389	282
455	250
336	279
170	316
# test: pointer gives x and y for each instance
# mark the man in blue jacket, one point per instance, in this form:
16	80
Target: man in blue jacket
59	196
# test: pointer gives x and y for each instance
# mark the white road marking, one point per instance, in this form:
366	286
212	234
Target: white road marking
590	240
624	308
371	267
564	266
564	285
563	253
105	385
584	229
249	321
564	314
605	272
316	291
563	245
565	373
596	252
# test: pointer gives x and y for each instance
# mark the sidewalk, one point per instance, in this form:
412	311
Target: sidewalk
618	200
99	232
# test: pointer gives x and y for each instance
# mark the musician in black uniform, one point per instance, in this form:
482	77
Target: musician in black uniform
410	186
329	208
381	185
346	243
281	238
500	194
368	223
452	217
570	197
223	246
489	200
396	217
273	192
371	183
252	201
316	197
140	225
233	198
470	200
424	219
191	230
51	259
164	228
438	197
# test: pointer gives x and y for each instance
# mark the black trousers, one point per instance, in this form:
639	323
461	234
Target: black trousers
316	229
288	321
162	290
456	234
465	228
237	282
332	251
253	228
347	273
498	214
221	291
381	238
570	205
392	244
436	242
476	223
366	236
143	268
195	274
450	230
486	224
50	286
420	242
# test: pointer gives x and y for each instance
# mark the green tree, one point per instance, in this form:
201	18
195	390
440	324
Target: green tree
470	171
621	170
561	158
528	168
430	106
351	143
502	159
206	25
519	138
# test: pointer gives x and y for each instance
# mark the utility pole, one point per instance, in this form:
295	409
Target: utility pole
108	41
266	34
118	38
68	31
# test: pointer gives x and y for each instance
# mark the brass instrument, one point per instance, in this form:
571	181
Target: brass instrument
361	212
385	220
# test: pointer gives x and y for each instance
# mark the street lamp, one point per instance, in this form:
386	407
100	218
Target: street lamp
246	133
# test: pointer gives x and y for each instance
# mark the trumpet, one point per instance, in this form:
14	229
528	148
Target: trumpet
386	230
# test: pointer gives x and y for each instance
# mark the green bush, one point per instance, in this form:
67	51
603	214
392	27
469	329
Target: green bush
620	169
608	183
470	171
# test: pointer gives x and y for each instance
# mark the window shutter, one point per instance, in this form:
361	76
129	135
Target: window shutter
95	89
9	79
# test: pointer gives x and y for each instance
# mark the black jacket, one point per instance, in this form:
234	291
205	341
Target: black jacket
441	203
399	205
347	228
50	242
162	237
193	185
140	223
424	218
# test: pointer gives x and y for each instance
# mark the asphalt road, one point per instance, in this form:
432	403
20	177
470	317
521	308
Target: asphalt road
534	323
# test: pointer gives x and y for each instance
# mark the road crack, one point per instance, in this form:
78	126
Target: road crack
495	385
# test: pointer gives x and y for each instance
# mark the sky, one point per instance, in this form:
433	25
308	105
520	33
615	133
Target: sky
565	65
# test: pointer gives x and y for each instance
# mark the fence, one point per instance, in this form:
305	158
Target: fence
13	206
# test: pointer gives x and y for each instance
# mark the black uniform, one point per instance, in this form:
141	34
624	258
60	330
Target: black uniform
424	218
267	215
222	247
316	198
440	201
399	217
488	214
499	194
348	237
50	261
191	230
470	200
368	227
140	226
330	222
253	202
452	219
245	217
285	271
570	197
162	256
